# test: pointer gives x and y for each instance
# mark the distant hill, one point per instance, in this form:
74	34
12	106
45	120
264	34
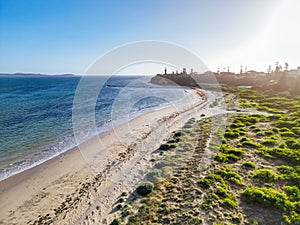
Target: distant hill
34	75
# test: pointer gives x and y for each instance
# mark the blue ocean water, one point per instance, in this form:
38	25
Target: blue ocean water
36	113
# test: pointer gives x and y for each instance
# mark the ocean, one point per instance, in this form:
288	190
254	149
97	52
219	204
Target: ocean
36	122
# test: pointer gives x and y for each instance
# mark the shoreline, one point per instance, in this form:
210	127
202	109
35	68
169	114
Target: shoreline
34	192
106	129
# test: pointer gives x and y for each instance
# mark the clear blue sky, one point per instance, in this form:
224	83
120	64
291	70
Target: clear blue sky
67	36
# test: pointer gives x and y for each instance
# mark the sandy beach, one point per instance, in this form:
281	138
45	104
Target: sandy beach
81	186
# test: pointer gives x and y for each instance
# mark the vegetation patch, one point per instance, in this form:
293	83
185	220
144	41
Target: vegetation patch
264	175
249	165
253	177
145	188
167	146
211	179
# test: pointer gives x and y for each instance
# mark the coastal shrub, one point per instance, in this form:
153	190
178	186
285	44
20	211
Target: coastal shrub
187	126
269	142
205	204
228	150
173	140
178	134
267	197
116	221
210	179
126	213
297	207
145	188
197	220
296	130
285	169
229	175
231	158
244	139
221	158
119	206
237	124
234	180
167	146
121	200
230	202
255	118
249	165
252	127
224	141
293	218
292	143
236	152
269	132
240	130
287	134
127	206
247	119
277	111
263	118
293	192
266	152
290	155
231	134
282	145
124	194
284	129
234	133
285	123
264	175
192	120
213	196
257	129
221	192
226	158
290	174
260	134
273	137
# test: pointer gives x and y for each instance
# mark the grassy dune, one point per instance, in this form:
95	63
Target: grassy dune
247	173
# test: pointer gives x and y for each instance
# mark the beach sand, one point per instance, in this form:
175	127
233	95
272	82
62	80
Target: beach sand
81	186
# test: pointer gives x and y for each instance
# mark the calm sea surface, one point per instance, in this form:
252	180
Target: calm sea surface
36	113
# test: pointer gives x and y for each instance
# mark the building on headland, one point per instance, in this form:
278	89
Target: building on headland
182	73
247	77
179	78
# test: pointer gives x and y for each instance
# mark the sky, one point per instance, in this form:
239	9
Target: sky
68	36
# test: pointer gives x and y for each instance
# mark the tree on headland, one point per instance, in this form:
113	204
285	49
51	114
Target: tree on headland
277	67
269	70
286	66
269	73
